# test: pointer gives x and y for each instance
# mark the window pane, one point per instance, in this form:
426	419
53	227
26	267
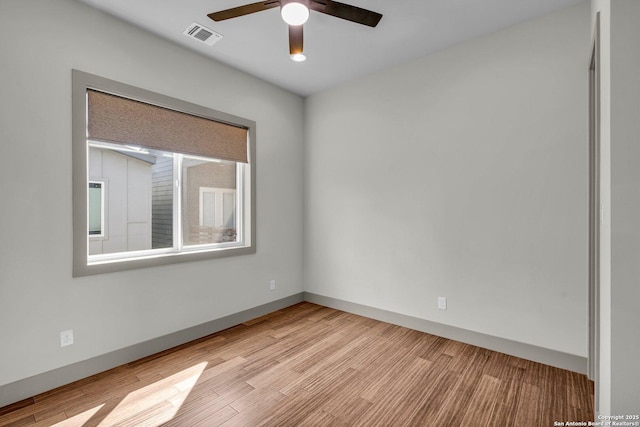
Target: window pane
138	198
162	180
95	208
207	211
229	209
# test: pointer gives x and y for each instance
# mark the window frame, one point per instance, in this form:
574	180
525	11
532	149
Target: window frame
81	82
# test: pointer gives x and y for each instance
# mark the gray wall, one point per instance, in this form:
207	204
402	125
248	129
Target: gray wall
619	386
603	387
463	175
41	41
625	206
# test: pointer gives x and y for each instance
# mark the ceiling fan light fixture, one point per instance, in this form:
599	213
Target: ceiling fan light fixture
294	13
298	57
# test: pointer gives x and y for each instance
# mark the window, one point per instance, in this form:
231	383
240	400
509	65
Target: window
157	180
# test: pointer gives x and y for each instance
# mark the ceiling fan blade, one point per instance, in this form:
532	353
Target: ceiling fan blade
243	10
346	11
295	39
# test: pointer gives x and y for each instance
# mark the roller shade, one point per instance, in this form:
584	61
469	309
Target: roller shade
114	119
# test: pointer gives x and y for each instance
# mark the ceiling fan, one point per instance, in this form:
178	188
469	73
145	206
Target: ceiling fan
296	12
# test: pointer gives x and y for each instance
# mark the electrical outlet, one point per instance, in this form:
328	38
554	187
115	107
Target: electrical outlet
272	285
66	338
442	303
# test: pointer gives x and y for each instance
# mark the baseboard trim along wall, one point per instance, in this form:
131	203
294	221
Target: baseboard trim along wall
32	386
525	351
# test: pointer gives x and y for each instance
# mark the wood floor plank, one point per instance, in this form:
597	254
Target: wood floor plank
258	410
555	392
535	374
406	383
256	395
194	397
56	419
91	417
434	349
193	412
385	372
18	416
313	397
344	409
338	359
439	392
454	348
28	420
455	408
496	364
218	418
321	418
104	402
292	409
529	412
328	348
373	354
482	403
432	378
504	412
309	365
154	415
287	329
580	393
25	403
33	409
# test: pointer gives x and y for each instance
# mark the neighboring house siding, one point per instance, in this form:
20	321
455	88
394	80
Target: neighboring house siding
127	204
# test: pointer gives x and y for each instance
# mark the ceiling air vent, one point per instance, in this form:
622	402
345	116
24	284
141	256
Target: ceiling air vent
203	34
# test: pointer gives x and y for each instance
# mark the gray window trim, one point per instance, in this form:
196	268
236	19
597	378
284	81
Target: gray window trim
82	81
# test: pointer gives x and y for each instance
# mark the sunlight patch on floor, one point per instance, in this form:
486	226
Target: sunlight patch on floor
156	403
79	419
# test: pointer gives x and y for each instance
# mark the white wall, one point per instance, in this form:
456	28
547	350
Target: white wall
625	207
603	386
619	386
41	41
463	175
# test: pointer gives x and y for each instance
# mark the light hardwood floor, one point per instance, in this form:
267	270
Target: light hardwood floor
312	365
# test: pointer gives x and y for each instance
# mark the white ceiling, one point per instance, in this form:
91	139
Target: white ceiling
337	50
